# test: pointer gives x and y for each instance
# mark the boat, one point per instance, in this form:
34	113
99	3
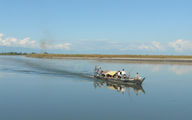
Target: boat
111	76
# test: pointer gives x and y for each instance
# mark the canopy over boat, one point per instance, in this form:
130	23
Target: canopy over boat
112	73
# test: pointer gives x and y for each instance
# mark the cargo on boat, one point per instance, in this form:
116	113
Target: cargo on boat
119	77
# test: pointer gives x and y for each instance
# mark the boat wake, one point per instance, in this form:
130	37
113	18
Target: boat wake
41	66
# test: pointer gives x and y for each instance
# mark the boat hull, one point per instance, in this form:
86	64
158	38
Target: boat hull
122	81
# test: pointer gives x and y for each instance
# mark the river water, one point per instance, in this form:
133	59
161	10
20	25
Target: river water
63	89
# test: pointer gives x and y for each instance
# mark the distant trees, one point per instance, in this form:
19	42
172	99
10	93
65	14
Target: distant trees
20	53
45	53
13	53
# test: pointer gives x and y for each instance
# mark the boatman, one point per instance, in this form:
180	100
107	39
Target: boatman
123	73
136	76
99	70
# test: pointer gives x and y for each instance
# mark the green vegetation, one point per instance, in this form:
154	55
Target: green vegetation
13	53
104	56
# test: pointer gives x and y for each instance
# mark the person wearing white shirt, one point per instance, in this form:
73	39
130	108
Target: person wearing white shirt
123	73
119	74
136	76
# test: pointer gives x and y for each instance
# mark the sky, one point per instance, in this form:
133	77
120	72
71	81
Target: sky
96	26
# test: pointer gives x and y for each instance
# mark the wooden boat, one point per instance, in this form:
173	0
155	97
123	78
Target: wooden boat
122	81
111	76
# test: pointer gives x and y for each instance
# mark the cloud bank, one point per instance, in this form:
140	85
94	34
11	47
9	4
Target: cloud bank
28	43
14	42
181	45
153	46
99	45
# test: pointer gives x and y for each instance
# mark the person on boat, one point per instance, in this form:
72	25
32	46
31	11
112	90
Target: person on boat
104	73
99	70
136	76
119	74
123	73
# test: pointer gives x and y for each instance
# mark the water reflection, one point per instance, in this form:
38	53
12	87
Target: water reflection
180	70
177	69
121	88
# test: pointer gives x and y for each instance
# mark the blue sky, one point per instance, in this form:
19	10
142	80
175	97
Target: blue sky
96	26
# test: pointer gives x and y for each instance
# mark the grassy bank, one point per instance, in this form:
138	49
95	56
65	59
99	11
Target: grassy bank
105	56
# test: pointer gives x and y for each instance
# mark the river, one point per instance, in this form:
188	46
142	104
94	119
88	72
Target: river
64	89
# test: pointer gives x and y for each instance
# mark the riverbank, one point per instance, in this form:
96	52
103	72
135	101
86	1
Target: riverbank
133	58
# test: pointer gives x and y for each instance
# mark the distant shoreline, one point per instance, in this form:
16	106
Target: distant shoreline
129	58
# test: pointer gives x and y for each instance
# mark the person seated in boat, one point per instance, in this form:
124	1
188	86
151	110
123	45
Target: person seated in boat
104	73
136	77
99	70
115	75
96	70
108	76
119	74
101	73
123	73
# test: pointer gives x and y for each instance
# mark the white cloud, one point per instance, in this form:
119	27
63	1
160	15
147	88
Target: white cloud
1	35
181	45
144	47
66	46
14	42
157	45
28	43
152	46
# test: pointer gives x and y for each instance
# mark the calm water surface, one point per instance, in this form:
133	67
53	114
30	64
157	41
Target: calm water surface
63	89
